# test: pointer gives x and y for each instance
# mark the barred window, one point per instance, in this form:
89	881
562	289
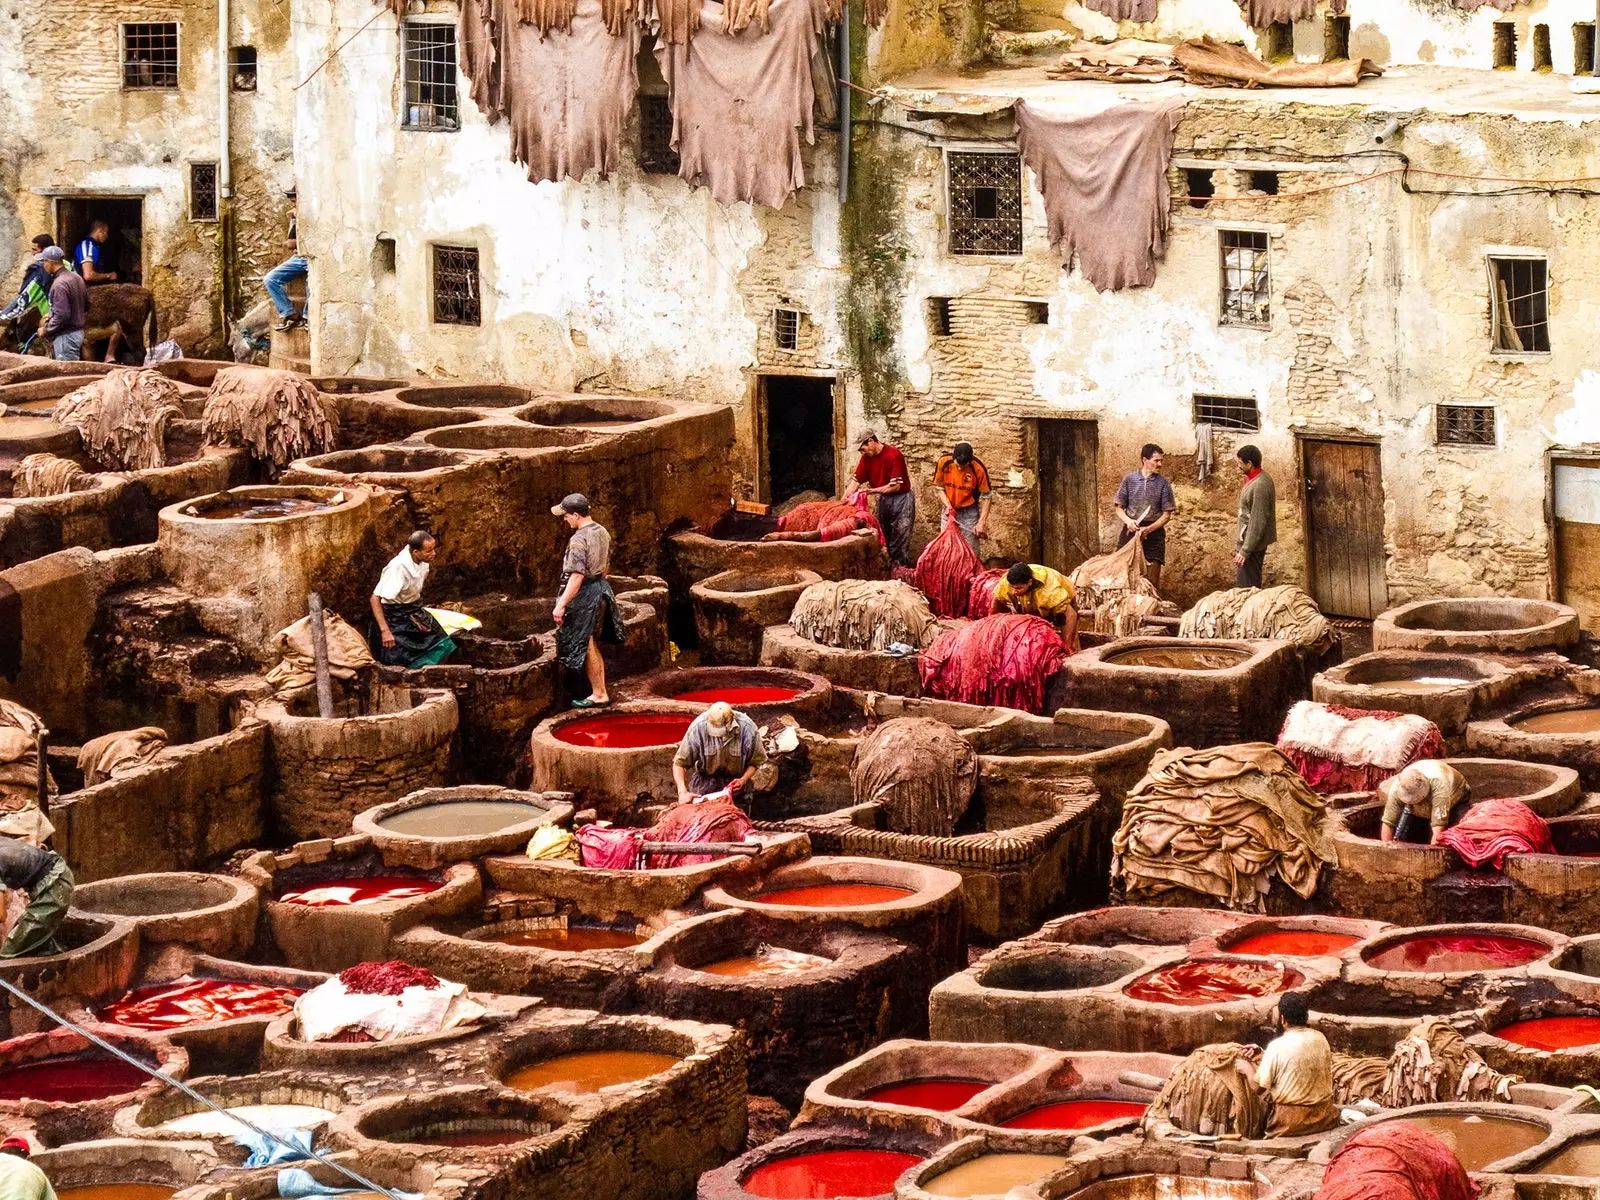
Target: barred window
786	328
428	50
1246	286
1227	412
985	203
656	155
939	315
202	191
1464	424
150	54
242	64
456	296
1519	300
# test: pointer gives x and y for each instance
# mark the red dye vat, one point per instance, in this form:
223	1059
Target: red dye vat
828	1174
371	889
1075	1114
1293	943
739	695
482	1137
1195	983
1458	952
626	731
941	1095
835	895
70	1080
1553	1033
194	1001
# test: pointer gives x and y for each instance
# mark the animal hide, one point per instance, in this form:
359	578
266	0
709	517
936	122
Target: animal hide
921	772
113	755
347	653
19	775
945	570
1261	13
1211	63
47	475
122	418
1005	659
864	614
277	416
1213	1092
1472	6
1124	10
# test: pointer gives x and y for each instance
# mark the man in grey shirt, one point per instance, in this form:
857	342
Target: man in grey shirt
586	608
69	307
721	749
1258	518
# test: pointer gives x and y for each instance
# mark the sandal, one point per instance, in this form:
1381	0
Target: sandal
591	702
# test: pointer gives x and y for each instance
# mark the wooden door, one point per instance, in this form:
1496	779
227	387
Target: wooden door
1068	470
1576	506
1344	527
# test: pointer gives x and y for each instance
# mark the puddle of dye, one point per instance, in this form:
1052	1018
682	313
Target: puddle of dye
571	940
1479	1141
481	1137
590	1071
626	731
257	510
1075	1114
941	1095
1293	943
1580	1158
267	1116
993	1174
767	960
828	1174
370	889
1568	720
1195	983
1458	952
1179	658
459	818
117	1191
835	895
70	1080
1553	1033
193	1001
739	695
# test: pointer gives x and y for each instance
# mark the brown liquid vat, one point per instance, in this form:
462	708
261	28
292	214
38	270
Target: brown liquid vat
1491	624
1178	658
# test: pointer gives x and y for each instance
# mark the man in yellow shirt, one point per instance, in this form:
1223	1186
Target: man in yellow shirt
1040	592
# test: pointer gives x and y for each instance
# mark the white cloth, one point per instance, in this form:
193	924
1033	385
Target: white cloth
1311	728
327	1010
401	581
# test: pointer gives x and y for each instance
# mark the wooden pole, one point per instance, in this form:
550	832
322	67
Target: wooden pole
43	781
700	848
319	656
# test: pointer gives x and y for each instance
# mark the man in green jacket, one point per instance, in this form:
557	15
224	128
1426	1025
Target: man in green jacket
1258	518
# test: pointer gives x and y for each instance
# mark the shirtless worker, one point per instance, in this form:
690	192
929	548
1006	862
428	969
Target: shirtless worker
721	749
1297	1072
1421	801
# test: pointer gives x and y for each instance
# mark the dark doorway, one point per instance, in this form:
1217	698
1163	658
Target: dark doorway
797	440
1344	527
1069	517
124	249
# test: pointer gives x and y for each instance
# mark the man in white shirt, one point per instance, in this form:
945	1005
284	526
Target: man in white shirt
1297	1071
405	633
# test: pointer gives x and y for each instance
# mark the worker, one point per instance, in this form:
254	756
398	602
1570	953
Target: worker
1297	1072
1041	592
1258	518
34	294
47	879
19	1178
1421	801
720	751
277	280
881	472
1145	504
586	609
963	486
69	307
404	633
89	261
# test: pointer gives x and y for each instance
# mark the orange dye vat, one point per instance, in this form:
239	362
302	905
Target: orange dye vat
571	940
828	1174
1553	1033
1075	1114
1293	943
626	731
941	1095
591	1070
117	1191
835	895
1208	982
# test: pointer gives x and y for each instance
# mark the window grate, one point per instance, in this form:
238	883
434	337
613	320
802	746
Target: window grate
1246	283
985	203
656	155
1520	302
456	294
1227	412
786	328
242	65
939	315
429	54
1464	424
202	191
150	54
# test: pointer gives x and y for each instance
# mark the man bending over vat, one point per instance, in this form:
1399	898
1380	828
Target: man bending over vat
1297	1072
1041	592
47	879
404	633
720	751
1422	801
587	607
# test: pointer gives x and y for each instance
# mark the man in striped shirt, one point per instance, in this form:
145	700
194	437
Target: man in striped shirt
1145	504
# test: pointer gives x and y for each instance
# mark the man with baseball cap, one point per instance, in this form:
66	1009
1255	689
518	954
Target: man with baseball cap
586	607
721	750
881	472
19	1178
963	488
69	306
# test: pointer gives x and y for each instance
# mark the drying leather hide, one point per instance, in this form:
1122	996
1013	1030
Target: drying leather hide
1261	13
48	475
122	418
922	772
1124	10
1211	63
277	416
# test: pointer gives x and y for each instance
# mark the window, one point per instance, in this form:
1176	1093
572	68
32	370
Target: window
242	64
383	260
202	191
429	53
1226	412
1541	48
939	315
1583	48
150	54
456	298
1335	39
985	193
1280	42
1199	185
1464	424
656	155
786	328
1246	286
1505	46
1264	181
1520	303
1038	311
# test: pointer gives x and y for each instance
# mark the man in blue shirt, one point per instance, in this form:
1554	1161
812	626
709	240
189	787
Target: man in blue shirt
89	259
1145	504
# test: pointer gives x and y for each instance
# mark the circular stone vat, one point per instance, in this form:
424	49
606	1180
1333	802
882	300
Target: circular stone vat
1454	949
594	412
1198	982
1580	1158
1553	1033
71	1080
435	826
587	1071
262	503
732	610
538	933
992	1174
500	437
1548	789
1584	721
1169	1187
464	1119
1444	688
1073	1115
354	385
387	460
274	1100
1420	674
1135	925
214	913
356	891
1495	624
64	1070
761	693
624	731
1479	1137
610	759
1181	656
1292	937
829	1174
124	1168
1055	969
935	1093
162	1007
476	396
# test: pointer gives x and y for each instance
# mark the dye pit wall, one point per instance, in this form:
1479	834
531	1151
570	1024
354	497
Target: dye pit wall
862	670
1468	624
434	827
732	610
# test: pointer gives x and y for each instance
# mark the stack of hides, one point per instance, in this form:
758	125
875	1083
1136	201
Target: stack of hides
1107	577
717	820
1123	60
1213	1092
1434	1063
1284	614
338	1011
1005	659
834	519
19	775
980	596
1338	749
1358	1077
1223	823
277	416
921	772
1492	829
347	653
945	571
114	755
1395	1161
864	614
47	475
122	418
1123	614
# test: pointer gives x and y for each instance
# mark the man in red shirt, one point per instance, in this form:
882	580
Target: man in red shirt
881	472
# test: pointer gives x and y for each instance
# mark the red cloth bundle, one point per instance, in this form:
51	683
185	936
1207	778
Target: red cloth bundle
1493	829
385	978
834	518
945	570
980	597
1004	659
708	821
611	849
1395	1161
1339	749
